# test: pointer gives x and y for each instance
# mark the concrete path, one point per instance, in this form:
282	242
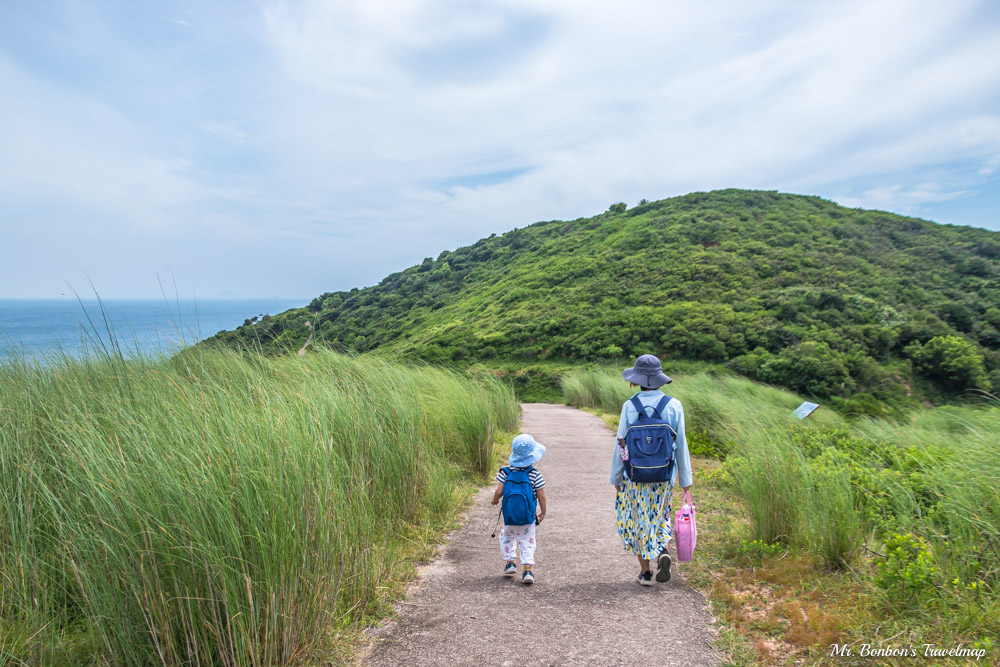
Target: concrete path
585	607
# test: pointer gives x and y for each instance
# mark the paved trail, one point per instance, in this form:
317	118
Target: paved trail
584	608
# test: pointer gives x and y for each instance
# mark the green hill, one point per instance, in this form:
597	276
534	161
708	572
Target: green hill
788	289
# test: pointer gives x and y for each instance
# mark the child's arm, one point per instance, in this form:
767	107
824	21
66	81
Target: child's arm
541	505
497	494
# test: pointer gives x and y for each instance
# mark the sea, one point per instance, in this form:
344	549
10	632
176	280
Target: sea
44	329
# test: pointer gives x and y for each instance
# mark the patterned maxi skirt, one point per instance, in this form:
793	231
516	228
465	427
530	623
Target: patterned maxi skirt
643	512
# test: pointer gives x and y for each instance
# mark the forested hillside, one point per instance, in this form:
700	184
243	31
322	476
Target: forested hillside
788	289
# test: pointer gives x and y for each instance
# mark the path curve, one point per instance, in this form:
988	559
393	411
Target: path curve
580	610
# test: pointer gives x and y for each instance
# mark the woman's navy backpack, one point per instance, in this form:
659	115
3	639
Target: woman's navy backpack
649	445
518	506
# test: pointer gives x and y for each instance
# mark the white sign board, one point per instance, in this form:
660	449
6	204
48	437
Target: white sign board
805	409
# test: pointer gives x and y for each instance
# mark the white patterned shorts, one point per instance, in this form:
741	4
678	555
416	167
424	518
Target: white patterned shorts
518	538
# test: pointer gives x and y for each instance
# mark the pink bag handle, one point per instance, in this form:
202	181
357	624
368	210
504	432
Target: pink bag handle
687	498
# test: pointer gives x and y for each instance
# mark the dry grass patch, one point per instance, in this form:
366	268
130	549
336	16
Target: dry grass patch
787	608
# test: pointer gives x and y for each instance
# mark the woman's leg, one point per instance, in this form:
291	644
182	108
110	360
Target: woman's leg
643	564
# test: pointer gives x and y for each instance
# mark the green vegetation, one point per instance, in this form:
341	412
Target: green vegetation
871	311
898	520
223	508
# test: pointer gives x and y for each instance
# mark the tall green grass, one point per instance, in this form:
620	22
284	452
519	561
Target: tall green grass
730	415
724	409
841	489
220	508
952	454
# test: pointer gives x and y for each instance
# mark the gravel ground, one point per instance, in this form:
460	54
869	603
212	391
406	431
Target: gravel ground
585	607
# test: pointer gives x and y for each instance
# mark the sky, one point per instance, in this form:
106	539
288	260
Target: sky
256	148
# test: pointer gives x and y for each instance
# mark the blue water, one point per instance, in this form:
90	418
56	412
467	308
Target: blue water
38	329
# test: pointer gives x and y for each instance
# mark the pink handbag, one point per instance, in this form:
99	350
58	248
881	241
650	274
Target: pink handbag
685	530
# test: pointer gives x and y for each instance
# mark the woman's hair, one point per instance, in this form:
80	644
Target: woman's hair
641	388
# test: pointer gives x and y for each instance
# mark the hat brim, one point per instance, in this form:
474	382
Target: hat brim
652	381
531	459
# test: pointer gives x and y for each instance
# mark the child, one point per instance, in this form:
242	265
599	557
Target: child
523	486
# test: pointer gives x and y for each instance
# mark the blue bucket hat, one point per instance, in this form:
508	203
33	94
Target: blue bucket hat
647	372
525	451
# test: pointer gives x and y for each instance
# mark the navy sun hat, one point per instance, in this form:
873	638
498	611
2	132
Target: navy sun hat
647	372
525	451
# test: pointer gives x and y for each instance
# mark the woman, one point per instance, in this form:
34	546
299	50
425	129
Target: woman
643	509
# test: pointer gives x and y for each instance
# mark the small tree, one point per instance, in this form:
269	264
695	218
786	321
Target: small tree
950	360
617	208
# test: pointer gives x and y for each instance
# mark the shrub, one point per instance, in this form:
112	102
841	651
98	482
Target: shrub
701	443
907	573
809	367
754	552
862	405
954	362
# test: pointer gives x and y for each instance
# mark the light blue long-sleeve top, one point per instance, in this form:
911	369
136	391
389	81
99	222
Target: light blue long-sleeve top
673	414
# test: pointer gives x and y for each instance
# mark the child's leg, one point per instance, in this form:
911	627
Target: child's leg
526	544
508	540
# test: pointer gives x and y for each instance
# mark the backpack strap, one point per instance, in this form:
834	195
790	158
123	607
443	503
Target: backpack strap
657	411
510	470
534	491
527	473
661	405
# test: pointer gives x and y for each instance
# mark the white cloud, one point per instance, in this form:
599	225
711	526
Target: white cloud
907	199
59	145
990	166
789	103
225	129
348	127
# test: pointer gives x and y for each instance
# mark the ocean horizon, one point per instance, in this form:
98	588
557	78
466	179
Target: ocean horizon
37	329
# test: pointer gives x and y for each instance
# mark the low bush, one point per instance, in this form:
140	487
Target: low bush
907	572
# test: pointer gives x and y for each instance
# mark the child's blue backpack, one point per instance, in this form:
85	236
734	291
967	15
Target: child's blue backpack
650	445
518	504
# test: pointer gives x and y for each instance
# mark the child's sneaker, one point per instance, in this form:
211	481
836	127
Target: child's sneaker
527	578
510	569
663	567
645	579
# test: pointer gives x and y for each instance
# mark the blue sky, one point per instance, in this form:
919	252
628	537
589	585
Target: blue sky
263	148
